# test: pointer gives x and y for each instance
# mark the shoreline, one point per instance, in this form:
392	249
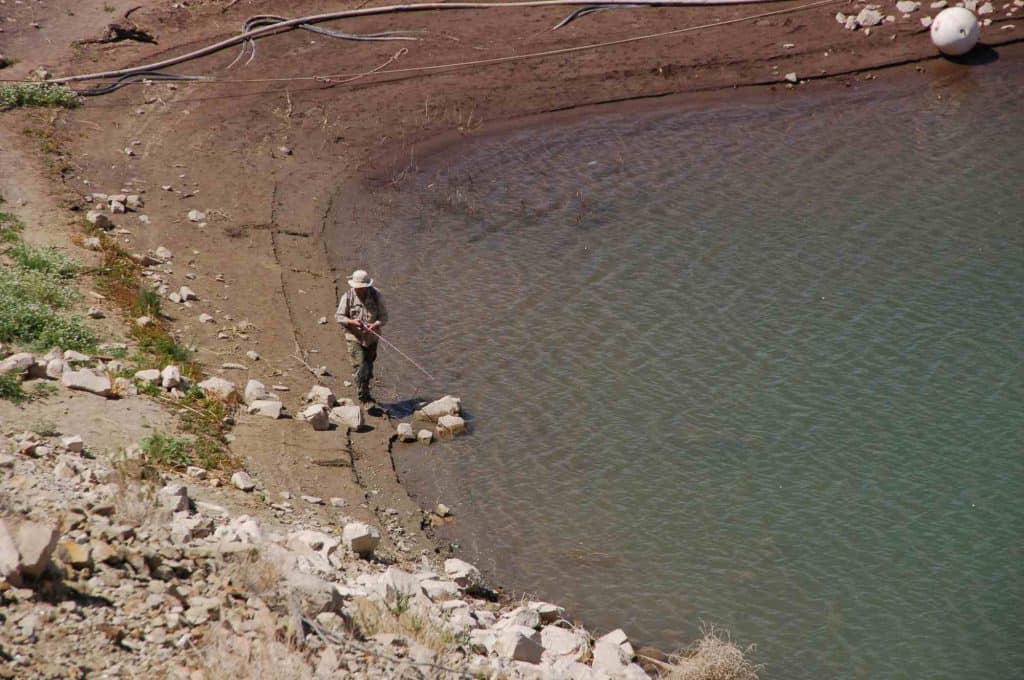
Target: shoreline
269	208
439	153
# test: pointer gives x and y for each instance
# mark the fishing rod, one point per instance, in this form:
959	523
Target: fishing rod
387	342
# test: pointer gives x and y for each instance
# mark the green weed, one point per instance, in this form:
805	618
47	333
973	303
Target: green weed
11	389
147	303
170	451
51	95
44	260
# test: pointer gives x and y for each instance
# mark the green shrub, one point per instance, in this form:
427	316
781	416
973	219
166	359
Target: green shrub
44	260
180	452
147	303
52	95
10	228
11	390
33	322
169	451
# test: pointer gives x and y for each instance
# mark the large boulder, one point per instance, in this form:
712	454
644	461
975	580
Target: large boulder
445	406
219	388
87	381
463	573
563	642
349	416
17	363
360	538
519	644
613	654
149	376
35	542
317	416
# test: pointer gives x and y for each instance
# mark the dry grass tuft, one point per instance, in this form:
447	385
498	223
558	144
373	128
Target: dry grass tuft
228	655
371	618
713	657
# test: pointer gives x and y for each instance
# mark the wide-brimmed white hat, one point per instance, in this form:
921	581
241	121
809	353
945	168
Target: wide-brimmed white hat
360	279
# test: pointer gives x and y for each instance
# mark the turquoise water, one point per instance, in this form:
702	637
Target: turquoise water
758	366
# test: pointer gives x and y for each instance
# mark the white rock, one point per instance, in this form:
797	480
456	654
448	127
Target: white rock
92	243
791	77
987	8
87	381
445	406
254	391
186	293
95	313
10	558
840	18
270	408
150	376
196	216
549	613
174	497
196	472
314	541
405	433
562	642
321	394
35	542
907	6
99	219
449	426
243	481
926	21
134	202
313	500
463	573
73	443
521	617
205	318
163	253
442	510
117	198
252	355
17	363
144	321
399	583
317	416
170	377
360	538
71	356
116	207
219	388
519	644
869	17
439	590
350	416
425	436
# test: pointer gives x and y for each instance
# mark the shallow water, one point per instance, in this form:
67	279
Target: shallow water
757	366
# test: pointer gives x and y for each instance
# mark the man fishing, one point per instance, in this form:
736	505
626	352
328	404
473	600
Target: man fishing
362	313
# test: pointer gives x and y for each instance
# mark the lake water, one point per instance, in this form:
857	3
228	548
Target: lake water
756	365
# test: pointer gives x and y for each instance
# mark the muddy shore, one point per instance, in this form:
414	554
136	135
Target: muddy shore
278	167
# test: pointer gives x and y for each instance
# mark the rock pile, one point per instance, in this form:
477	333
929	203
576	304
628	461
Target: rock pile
103	573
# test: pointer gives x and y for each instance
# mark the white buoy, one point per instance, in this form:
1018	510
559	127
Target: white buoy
955	31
